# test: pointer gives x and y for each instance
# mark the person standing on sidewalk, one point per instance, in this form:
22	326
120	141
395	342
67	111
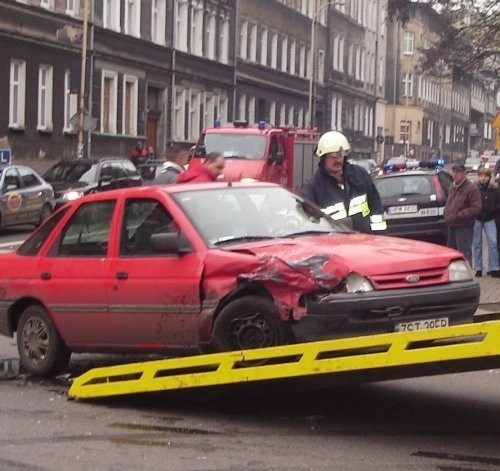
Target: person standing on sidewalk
462	208
486	222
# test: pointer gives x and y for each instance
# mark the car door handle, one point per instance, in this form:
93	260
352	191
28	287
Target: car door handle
45	275
121	275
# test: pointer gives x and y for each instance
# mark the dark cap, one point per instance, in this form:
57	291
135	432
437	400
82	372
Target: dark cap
458	166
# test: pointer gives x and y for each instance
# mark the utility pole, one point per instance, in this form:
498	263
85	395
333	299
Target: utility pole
83	72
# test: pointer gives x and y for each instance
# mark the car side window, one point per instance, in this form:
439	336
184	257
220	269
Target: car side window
87	232
130	169
28	178
106	171
143	218
11	180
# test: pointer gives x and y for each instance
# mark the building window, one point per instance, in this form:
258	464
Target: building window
242	107
274	51
17	94
408	42
210	36
302	61
179	114
282	116
272	113
45	98
194	115
72	7
404	132
196	37
408	84
158	19
291	116
293	54
263	47
208	111
251	110
221	111
111	14
48	4
129	110
244	39
181	22
133	17
70	103
321	66
224	44
253	42
109	91
284	54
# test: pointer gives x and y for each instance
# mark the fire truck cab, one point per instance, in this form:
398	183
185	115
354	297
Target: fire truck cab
279	155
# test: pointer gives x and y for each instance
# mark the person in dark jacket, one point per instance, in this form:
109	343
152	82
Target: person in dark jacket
462	208
485	222
208	171
343	190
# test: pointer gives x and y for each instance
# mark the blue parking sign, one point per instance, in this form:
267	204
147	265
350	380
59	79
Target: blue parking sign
5	157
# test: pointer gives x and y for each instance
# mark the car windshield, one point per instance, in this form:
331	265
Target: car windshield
233	146
70	172
230	214
404	185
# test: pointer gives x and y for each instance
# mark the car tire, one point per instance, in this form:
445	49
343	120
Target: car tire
41	349
45	213
249	322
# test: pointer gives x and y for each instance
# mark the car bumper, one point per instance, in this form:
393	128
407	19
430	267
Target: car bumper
379	311
416	228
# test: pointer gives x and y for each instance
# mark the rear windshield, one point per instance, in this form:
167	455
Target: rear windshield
68	172
404	185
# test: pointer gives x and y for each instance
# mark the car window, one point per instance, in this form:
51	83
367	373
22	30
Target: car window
87	232
106	170
11	179
28	178
70	172
445	179
33	244
141	219
119	170
404	185
130	169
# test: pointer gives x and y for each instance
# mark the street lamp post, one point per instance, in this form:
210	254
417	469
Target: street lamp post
312	67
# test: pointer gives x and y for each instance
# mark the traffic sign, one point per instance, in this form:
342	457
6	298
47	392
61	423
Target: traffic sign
5	157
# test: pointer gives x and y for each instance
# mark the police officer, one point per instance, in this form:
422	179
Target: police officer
344	190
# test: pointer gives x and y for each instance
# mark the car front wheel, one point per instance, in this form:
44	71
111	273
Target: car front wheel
41	349
249	322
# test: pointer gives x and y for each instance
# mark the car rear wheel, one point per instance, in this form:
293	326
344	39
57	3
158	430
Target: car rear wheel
45	213
249	322
41	349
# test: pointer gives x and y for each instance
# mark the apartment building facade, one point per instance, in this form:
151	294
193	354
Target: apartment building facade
162	70
429	115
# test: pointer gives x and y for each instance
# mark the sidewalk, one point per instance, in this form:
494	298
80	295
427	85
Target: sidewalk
489	301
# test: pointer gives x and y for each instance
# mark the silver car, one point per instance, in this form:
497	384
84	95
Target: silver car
26	198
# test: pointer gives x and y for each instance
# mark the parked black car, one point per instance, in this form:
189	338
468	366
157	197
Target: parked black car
414	201
72	179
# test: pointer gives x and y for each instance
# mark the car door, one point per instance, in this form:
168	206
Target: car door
33	194
155	298
74	275
13	203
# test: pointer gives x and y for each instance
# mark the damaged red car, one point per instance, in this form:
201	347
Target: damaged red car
215	267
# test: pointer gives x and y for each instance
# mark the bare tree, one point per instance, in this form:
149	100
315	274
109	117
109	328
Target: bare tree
469	40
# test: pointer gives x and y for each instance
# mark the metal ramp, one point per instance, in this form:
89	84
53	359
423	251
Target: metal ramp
469	347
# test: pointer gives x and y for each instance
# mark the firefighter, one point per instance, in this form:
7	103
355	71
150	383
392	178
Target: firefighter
343	190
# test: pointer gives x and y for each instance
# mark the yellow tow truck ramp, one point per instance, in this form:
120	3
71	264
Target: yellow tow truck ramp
462	348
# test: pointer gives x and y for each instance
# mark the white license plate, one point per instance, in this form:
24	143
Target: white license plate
409	208
429	212
423	324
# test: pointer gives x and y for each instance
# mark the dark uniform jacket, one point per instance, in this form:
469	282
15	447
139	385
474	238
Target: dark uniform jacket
359	198
463	205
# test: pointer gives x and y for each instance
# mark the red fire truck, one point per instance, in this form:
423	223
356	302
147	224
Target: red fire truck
264	153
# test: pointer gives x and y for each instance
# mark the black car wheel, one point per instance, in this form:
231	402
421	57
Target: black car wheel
249	322
45	213
41	349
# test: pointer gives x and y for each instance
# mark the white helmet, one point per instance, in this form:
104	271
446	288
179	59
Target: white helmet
332	141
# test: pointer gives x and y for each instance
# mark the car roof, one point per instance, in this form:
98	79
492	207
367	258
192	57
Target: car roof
417	171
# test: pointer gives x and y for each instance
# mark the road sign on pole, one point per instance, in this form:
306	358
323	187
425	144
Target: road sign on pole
5	157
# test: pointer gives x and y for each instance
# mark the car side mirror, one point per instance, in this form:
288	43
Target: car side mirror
170	243
277	158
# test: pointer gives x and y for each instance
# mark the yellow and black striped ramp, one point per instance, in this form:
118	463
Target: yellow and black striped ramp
398	351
